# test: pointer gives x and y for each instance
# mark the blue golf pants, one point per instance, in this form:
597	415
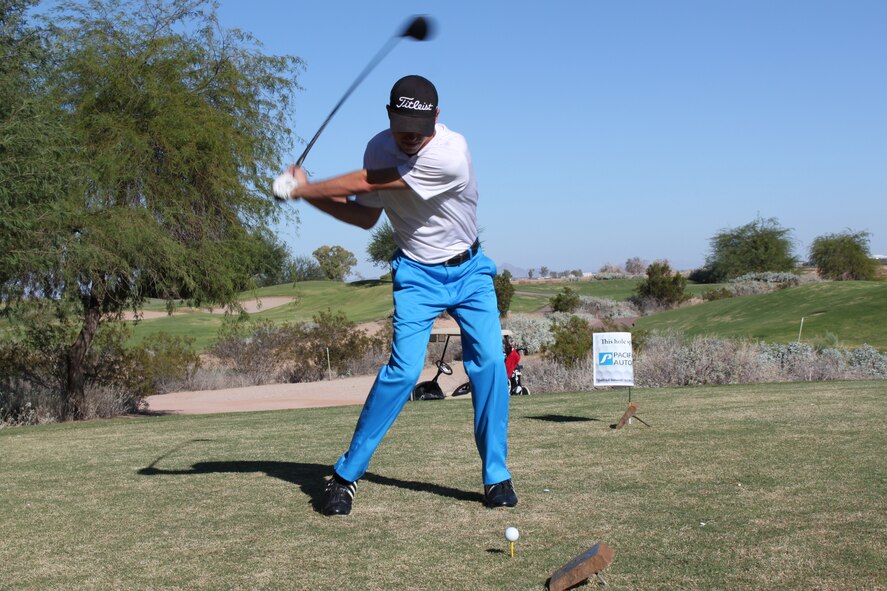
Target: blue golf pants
421	293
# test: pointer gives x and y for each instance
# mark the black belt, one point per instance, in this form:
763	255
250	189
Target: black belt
463	256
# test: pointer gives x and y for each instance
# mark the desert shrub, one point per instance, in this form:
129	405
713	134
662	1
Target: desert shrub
804	362
566	300
674	360
117	377
31	405
253	347
662	289
543	375
334	341
16	409
168	361
25	403
213	375
777	278
748	288
33	354
572	342
158	365
756	283
606	308
563	317
831	364
793	360
504	292
868	362
301	352
379	352
104	401
532	332
722	293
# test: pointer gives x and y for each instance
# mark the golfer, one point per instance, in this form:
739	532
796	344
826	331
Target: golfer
419	173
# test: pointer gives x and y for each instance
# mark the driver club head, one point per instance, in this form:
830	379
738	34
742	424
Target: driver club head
420	29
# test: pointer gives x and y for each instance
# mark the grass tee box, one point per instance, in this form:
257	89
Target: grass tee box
741	488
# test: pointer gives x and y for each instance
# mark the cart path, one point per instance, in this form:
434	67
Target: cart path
339	392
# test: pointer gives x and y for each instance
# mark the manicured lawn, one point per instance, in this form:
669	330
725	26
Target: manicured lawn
739	488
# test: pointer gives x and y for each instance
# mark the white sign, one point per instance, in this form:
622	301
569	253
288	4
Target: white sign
612	359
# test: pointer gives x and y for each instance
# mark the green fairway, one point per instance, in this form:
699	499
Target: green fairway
361	301
612	289
854	311
739	488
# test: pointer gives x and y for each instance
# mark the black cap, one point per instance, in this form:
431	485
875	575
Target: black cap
413	106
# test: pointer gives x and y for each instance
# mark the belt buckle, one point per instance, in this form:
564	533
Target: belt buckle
462	256
456	260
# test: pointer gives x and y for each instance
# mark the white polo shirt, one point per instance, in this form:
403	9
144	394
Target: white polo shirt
437	218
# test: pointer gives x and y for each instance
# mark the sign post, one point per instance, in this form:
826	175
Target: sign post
613	366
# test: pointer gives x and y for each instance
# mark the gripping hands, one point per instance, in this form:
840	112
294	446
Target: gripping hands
284	186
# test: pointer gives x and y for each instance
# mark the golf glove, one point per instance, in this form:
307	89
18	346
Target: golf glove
284	185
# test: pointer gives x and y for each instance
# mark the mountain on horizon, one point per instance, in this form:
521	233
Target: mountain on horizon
516	272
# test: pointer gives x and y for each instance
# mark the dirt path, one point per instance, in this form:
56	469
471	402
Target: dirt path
339	392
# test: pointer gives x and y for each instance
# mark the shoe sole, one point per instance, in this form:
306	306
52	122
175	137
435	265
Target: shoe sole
500	505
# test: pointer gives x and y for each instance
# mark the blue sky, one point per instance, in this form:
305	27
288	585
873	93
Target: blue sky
606	130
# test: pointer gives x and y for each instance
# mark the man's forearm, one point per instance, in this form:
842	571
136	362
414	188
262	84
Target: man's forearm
350	213
336	188
352	183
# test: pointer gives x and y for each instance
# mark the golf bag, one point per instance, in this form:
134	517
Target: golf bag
512	369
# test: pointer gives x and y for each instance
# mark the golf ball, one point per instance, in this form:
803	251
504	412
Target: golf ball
511	534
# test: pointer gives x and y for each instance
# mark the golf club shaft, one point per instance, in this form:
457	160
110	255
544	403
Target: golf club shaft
373	63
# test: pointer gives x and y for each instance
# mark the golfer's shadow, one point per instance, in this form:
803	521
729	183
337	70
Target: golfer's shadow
310	478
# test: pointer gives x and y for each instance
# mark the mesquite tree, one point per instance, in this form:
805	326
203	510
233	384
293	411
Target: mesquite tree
759	246
176	127
843	256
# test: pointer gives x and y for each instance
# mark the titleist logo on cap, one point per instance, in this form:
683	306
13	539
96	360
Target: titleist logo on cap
408	102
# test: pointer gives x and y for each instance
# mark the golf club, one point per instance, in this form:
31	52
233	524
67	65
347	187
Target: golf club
419	28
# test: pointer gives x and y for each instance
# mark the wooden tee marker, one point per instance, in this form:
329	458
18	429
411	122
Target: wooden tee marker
588	564
630	413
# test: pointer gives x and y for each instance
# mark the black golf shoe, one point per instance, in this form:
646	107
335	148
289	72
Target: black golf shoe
500	494
338	496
